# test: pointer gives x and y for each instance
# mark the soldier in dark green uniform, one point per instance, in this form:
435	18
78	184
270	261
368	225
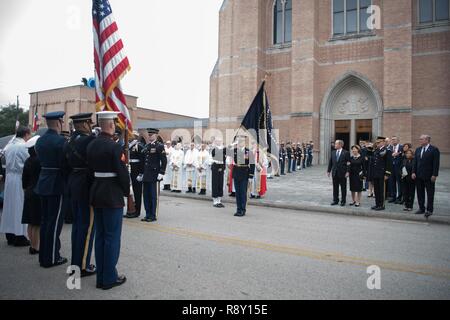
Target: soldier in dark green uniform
78	185
154	170
381	168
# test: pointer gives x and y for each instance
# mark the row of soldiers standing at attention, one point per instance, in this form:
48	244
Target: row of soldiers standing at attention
198	168
295	156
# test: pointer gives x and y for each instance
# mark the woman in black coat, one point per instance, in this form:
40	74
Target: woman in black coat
357	173
408	184
32	205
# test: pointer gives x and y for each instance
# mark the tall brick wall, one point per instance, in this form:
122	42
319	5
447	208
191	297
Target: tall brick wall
407	66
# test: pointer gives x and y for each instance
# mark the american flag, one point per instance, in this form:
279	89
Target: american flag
111	63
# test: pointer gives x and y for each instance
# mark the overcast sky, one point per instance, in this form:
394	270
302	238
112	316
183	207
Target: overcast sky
172	47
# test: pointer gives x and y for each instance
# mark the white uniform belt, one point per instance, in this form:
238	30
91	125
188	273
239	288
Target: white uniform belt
105	174
135	160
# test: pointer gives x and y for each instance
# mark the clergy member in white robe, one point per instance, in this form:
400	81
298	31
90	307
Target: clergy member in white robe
16	153
190	165
202	168
168	176
176	164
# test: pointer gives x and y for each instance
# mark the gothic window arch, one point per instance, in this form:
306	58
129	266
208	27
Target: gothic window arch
282	21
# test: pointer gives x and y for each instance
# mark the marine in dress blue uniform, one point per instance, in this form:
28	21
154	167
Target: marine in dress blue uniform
243	171
111	184
50	187
79	183
154	170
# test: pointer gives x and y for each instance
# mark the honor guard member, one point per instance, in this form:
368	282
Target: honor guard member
381	170
243	172
137	169
282	156
111	185
50	187
218	160
79	183
154	170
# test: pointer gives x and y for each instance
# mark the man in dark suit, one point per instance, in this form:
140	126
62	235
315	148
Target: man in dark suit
395	179
425	172
339	169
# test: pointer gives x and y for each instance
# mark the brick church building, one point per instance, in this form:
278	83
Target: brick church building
332	75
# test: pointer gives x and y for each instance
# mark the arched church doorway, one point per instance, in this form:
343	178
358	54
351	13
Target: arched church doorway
351	111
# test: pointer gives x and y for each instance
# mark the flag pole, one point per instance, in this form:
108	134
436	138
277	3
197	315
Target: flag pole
131	206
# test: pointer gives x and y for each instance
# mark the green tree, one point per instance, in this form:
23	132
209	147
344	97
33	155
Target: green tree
8	116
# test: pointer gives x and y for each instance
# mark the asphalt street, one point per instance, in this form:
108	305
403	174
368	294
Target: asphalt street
196	251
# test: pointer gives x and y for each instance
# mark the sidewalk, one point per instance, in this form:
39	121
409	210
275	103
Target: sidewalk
311	190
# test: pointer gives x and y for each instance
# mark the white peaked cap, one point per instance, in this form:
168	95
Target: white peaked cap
30	143
107	115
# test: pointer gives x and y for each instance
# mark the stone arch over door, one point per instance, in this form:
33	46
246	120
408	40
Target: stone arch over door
350	97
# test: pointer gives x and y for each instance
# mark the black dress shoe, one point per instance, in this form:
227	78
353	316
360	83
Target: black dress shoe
145	220
152	220
58	262
221	205
99	286
90	271
33	251
334	203
342	204
21	242
238	214
130	215
374	207
419	212
120	281
428	214
379	209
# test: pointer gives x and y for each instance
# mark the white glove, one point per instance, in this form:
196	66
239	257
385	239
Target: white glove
160	177
140	177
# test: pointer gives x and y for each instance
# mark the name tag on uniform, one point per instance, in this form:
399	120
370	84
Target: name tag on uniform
153	150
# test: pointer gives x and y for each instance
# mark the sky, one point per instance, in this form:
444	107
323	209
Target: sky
172	47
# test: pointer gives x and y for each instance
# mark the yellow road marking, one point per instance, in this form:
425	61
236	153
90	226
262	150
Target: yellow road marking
297	251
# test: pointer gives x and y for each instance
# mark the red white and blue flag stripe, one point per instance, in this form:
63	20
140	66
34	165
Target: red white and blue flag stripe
111	63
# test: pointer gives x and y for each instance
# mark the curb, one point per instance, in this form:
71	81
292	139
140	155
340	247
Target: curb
325	209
